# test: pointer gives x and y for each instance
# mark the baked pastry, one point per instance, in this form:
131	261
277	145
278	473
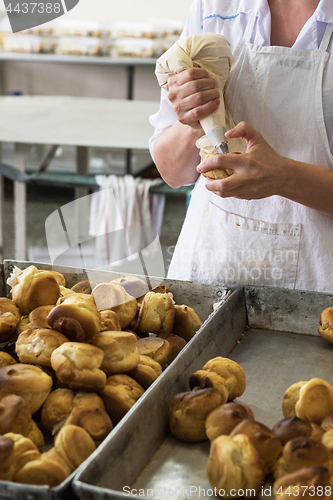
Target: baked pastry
233	465
312	400
36	346
24	450
186	323
85	286
225	418
74	445
304	483
6	458
78	366
28	381
204	378
109	321
290	399
327	439
60	403
326	324
115	297
290	427
15	416
42	471
317	431
232	372
327	423
95	421
23	324
268	446
302	452
37	317
120	393
120	351
76	317
156	348
61	280
188	412
146	371
9	318
134	286
64	292
157	314
32	288
177	344
6	359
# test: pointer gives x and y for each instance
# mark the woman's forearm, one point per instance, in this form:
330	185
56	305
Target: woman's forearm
176	155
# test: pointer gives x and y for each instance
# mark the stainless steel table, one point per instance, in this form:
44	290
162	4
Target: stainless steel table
72	121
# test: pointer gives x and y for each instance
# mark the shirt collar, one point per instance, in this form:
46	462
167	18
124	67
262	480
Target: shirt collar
324	11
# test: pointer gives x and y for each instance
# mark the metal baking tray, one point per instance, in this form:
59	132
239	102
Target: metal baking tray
199	297
272	334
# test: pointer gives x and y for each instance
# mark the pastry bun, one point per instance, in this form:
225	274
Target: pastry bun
225	418
326	324
36	346
9	318
6	359
37	317
32	288
78	366
109	321
74	445
291	427
120	393
120	351
156	348
306	481
6	458
115	297
157	314
204	378
134	286
28	381
232	372
177	344
146	371
186	323
188	412
84	286
95	421
76	317
233	465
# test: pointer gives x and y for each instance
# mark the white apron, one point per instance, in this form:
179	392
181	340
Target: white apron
273	241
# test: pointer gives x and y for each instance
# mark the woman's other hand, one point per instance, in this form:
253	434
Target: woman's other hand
193	96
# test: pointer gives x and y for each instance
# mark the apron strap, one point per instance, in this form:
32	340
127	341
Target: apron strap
327	37
249	28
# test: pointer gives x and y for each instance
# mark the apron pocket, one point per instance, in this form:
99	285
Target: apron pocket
232	249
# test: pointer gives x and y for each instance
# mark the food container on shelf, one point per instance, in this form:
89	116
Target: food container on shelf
29	44
139	47
272	333
200	297
83	46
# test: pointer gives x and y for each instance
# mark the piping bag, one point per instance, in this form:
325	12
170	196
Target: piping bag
213	53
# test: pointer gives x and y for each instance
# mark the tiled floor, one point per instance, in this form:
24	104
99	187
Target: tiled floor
41	202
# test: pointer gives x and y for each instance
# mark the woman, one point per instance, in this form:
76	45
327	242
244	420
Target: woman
271	222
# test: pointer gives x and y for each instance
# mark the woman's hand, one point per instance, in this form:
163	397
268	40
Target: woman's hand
258	173
193	96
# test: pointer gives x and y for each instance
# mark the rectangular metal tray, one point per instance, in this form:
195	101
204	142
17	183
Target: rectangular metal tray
272	334
199	297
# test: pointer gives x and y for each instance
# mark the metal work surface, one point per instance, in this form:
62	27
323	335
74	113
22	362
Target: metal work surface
144	456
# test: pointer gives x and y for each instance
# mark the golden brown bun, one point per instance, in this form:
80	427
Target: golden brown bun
156	348
6	359
291	427
36	346
95	421
327	423
15	415
307	481
120	393
34	288
134	286
120	351
37	317
109	321
77	365
177	344
115	298
146	372
76	317
225	418
74	445
290	399
24	450
23	324
186	323
315	401
317	431
157	313
60	404
84	286
234	464
9	318
302	452
36	435
41	471
232	372
204	378
327	439
59	277
188	412
265	441
28	381
326	324
6	458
